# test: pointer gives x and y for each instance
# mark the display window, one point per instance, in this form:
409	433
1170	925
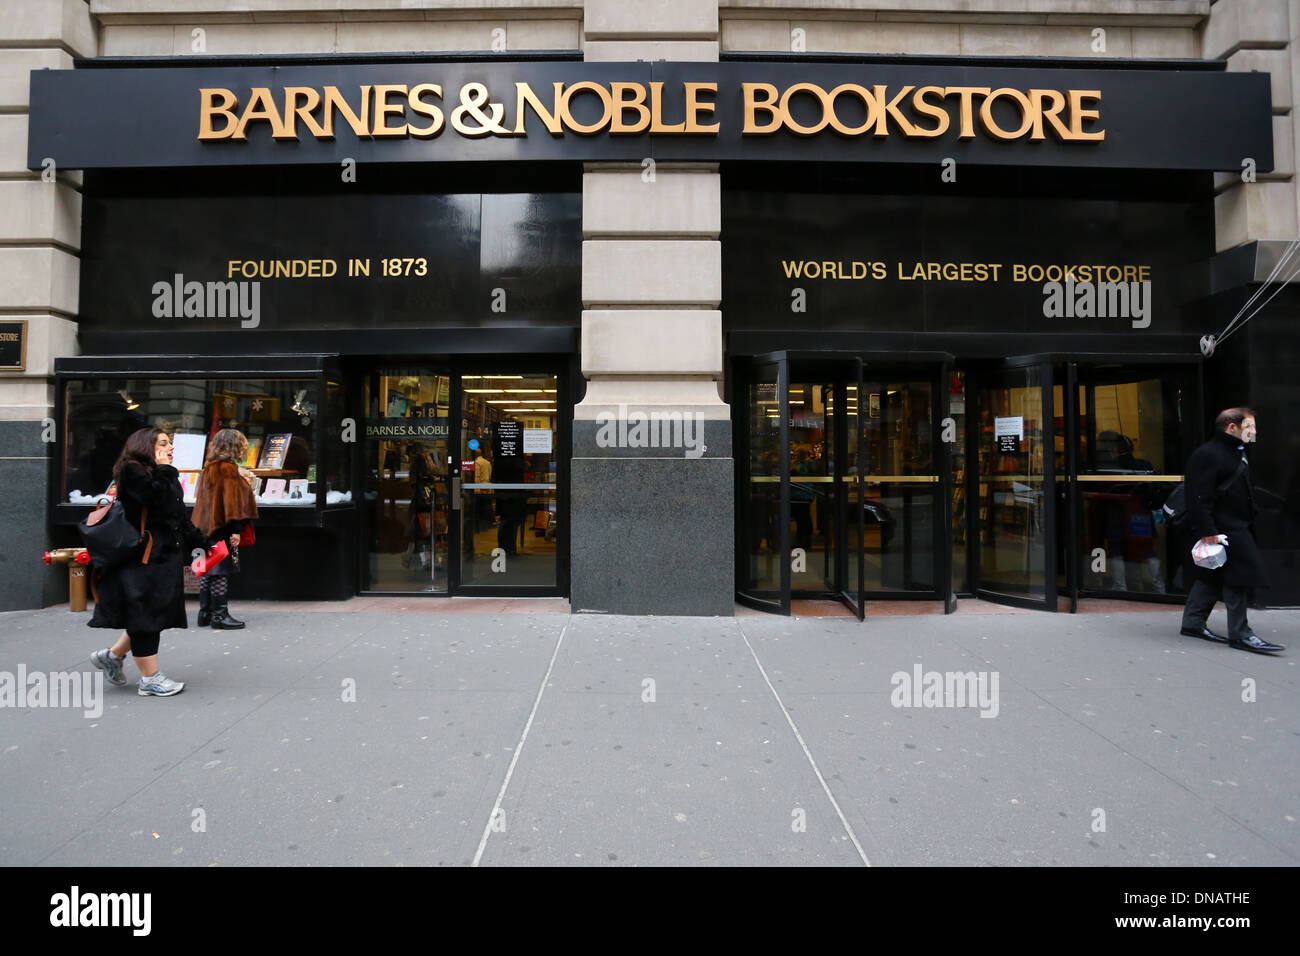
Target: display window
280	417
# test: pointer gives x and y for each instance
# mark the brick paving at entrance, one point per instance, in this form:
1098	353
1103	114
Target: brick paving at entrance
798	608
830	608
412	605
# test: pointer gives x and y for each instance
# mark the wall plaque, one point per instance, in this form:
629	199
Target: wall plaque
13	346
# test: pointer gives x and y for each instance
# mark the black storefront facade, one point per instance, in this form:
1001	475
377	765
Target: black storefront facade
970	441
957	364
384	375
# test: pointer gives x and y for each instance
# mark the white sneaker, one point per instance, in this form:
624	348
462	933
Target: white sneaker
112	668
160	685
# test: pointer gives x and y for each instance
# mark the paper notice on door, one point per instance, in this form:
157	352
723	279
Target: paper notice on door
1009	426
537	441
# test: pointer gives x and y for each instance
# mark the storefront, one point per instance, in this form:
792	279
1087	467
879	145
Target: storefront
961	310
982	392
407	414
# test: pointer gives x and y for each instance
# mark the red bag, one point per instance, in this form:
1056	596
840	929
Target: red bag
246	537
206	562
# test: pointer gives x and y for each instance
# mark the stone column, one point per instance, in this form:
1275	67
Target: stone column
653	495
1257	35
40	239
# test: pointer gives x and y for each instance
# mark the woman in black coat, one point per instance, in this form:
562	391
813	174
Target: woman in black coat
145	599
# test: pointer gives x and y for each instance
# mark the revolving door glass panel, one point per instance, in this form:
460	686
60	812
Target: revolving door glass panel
1137	427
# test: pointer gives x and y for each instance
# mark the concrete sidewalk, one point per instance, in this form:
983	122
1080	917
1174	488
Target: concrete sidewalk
549	739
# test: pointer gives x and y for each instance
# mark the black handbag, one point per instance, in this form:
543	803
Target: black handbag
110	538
1175	507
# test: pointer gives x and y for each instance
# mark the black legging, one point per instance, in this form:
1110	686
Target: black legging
144	643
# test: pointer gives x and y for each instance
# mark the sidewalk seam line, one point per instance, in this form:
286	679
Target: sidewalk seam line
807	753
519	747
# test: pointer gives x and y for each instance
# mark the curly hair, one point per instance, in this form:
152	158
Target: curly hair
229	444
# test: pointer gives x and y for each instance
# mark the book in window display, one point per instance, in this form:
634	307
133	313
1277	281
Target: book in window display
274	451
189	481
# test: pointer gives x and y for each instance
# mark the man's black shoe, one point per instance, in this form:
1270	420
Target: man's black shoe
1204	632
1257	644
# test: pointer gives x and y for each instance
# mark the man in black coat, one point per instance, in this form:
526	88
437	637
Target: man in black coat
1221	464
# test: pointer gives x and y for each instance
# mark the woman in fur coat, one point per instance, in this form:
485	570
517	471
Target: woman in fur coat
224	504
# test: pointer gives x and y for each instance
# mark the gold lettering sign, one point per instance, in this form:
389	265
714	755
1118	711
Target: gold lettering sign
591	108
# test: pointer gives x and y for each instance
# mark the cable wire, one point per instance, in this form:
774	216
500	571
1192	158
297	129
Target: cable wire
1241	318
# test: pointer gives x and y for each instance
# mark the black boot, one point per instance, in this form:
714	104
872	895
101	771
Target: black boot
221	619
205	607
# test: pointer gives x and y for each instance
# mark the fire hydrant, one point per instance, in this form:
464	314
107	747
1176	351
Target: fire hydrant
76	559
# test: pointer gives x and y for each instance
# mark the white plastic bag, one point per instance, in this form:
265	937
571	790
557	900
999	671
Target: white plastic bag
1211	556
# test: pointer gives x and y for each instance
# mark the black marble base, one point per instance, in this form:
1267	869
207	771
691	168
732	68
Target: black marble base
25	581
653	536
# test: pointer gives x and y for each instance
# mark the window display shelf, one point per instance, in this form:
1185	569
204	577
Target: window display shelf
297	516
289	407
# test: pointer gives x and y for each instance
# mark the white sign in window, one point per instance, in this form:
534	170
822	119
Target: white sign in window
537	441
1009	427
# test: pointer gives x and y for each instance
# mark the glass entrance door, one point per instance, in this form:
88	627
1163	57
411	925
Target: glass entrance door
902	492
406	461
506	491
824	461
1014	503
850	515
840	487
461	475
763	558
1136	425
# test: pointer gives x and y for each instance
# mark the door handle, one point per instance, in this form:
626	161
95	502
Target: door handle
455	494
